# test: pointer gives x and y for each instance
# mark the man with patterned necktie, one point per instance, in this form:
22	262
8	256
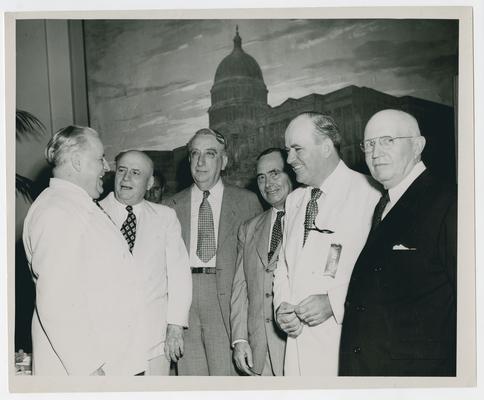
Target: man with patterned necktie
326	225
153	236
257	340
210	213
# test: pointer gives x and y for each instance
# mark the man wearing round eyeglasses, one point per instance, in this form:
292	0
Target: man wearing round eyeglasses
326	225
400	309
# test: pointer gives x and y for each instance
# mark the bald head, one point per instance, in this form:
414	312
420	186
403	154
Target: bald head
134	176
393	146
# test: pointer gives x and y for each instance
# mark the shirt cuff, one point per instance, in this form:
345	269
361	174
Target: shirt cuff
238	341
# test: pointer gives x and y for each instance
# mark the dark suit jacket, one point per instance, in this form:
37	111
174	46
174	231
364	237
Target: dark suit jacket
400	310
252	314
238	205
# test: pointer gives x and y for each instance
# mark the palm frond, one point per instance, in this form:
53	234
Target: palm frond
27	124
23	186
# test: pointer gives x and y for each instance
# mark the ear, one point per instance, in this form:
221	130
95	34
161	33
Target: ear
76	161
419	145
326	147
225	160
151	181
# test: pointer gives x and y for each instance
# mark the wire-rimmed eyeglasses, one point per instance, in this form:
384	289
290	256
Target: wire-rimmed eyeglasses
385	142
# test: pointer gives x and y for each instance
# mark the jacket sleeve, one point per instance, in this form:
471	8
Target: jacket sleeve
178	272
239	300
52	240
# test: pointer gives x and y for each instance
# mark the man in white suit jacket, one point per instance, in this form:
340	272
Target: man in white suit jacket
88	293
160	256
326	225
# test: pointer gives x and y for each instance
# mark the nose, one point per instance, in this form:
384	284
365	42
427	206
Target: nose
376	151
201	160
290	156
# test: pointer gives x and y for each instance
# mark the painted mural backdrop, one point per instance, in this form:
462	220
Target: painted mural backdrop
149	81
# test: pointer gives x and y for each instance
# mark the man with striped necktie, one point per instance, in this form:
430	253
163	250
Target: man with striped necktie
257	340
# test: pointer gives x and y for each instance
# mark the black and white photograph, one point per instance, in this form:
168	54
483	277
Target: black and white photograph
263	198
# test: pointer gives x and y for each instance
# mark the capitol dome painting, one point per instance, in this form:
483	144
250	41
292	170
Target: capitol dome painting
239	110
239	101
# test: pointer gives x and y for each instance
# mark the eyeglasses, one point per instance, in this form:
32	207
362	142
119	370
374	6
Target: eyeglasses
385	142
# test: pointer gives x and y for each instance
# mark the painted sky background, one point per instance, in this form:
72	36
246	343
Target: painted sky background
149	81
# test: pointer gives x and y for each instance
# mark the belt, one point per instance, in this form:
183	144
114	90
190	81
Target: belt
203	270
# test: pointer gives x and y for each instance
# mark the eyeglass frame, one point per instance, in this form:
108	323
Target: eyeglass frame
379	138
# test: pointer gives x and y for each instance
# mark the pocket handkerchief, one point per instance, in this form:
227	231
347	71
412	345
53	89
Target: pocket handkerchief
402	247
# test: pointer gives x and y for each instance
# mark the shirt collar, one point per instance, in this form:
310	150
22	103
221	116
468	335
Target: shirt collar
216	191
334	178
136	207
397	191
64	185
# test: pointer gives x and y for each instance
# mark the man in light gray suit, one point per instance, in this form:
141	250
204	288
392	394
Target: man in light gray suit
258	342
210	213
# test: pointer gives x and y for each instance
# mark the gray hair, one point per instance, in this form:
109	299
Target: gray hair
325	126
208	132
65	141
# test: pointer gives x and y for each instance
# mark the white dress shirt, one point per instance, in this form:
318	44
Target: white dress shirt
397	191
215	201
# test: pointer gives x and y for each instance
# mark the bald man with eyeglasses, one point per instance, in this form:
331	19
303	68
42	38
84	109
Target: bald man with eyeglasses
400	309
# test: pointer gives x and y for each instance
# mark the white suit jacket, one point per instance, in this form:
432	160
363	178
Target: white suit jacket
162	261
345	212
88	294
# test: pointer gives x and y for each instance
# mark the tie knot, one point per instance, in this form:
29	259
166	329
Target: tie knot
280	214
206	193
315	194
129	209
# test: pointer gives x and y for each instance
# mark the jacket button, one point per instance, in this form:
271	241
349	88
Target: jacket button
268	270
356	350
377	269
268	295
360	308
268	320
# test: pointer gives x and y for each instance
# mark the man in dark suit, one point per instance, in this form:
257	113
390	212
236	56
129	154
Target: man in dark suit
400	310
210	213
257	340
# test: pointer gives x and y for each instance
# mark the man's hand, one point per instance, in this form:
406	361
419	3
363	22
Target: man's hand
287	320
98	372
314	309
174	342
243	358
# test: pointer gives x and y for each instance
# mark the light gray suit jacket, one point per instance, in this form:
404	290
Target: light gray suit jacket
252	314
238	205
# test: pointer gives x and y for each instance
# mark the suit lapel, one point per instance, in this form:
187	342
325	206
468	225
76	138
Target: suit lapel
261	236
183	207
296	231
227	217
400	214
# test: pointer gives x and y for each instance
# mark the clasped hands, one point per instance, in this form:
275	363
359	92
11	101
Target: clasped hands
312	311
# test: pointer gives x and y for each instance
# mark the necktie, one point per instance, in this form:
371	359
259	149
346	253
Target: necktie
311	212
206	234
128	229
380	207
276	234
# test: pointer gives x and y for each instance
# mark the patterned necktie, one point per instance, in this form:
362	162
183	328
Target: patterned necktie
206	247
276	234
311	212
380	207
128	229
